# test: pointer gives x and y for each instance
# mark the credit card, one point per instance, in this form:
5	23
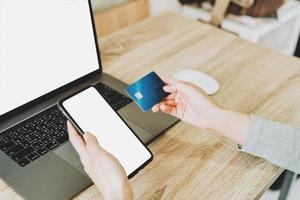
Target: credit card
147	91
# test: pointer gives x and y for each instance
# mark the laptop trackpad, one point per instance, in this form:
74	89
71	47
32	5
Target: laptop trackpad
140	132
69	155
154	123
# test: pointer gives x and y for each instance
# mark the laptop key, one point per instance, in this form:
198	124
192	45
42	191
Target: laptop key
26	143
43	133
12	135
15	133
38	145
23	153
42	151
8	137
14	150
18	140
54	136
46	140
38	136
7	145
63	139
34	138
26	135
33	156
23	162
52	145
1	142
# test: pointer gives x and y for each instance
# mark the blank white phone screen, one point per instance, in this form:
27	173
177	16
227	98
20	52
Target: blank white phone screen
93	114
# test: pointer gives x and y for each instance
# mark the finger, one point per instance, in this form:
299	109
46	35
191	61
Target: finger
171	96
166	79
179	86
92	143
155	108
90	138
170	89
76	140
171	110
163	77
169	102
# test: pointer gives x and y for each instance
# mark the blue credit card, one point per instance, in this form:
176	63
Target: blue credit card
147	91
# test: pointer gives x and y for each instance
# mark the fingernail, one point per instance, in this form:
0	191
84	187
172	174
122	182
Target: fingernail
86	134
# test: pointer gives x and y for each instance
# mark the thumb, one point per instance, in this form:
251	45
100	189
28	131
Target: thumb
177	87
92	143
167	80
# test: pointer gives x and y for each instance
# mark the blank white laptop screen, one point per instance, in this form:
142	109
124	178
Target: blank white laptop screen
44	44
93	114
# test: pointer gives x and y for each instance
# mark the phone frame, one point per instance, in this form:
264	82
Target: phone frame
78	128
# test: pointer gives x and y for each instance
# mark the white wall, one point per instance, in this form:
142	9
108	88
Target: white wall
104	4
156	6
160	6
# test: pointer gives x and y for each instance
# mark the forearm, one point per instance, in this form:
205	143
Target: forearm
231	124
278	143
127	192
124	193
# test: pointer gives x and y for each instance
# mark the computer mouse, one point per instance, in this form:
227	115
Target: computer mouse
200	79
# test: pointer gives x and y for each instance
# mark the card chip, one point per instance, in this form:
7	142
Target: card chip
147	91
138	95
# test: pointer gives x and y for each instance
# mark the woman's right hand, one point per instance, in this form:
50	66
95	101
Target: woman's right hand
188	103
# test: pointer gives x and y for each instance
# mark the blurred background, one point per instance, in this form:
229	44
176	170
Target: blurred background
272	23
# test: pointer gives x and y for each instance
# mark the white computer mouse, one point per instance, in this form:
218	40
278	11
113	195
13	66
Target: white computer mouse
200	79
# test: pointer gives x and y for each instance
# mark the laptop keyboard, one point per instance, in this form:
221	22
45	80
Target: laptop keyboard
35	137
116	99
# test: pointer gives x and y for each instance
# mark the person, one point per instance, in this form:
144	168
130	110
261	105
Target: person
275	142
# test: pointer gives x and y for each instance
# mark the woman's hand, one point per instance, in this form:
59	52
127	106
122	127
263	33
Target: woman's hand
103	168
190	104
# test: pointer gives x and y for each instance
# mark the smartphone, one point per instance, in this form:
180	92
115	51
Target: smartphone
88	111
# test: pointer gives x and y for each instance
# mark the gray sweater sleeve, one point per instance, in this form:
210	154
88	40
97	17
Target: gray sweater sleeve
277	143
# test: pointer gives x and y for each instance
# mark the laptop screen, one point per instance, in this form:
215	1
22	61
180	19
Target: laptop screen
44	45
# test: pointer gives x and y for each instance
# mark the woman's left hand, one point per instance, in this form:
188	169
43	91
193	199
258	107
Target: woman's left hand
102	167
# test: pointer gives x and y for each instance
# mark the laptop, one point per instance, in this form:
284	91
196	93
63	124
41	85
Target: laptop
48	50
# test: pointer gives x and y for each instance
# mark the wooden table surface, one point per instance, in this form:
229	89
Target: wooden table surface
190	163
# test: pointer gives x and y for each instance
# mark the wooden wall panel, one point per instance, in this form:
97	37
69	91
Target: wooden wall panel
121	16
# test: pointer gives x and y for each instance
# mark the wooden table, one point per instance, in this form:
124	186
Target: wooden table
191	163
